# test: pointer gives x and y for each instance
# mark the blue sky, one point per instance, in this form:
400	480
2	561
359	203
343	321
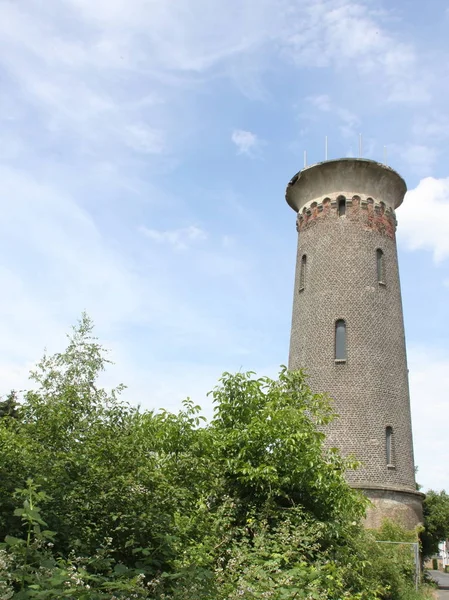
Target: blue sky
145	149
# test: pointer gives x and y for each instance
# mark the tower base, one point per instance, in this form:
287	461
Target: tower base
403	506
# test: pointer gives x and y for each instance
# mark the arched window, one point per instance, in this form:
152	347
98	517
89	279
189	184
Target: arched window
341	206
340	340
380	266
389	444
302	273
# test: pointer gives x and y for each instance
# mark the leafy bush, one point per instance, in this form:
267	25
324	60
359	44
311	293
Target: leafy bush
436	521
101	500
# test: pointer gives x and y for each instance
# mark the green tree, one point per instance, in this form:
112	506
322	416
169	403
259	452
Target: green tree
108	471
10	406
270	443
436	521
99	499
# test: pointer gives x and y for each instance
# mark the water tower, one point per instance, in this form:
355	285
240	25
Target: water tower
347	326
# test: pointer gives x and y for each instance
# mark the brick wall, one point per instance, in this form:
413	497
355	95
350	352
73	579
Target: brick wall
370	389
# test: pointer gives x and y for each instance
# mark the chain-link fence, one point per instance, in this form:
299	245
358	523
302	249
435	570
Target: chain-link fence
414	549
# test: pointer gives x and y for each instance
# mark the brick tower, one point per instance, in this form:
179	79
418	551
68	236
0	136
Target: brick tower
347	326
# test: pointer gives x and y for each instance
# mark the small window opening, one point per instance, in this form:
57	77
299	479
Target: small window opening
340	340
341	207
380	266
389	444
302	273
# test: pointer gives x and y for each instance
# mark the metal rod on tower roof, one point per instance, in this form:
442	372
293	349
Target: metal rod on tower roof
325	148
305	159
385	155
360	145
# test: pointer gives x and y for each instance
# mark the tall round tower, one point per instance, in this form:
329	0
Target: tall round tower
347	327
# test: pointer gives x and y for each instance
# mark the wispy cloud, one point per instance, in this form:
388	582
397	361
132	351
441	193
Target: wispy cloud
347	32
76	72
246	142
433	127
321	102
349	122
60	263
120	113
142	139
419	157
179	239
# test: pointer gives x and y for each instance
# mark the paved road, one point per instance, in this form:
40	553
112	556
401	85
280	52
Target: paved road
443	583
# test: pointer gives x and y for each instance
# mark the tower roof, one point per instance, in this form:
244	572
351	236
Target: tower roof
351	175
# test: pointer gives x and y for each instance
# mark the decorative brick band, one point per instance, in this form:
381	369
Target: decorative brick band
372	215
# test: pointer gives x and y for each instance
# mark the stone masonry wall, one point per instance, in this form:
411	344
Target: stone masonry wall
402	507
370	389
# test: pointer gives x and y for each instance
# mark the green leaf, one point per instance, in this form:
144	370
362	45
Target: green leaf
120	569
14	541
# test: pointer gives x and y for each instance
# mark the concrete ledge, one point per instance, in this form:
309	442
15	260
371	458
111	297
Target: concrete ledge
363	176
387	488
403	506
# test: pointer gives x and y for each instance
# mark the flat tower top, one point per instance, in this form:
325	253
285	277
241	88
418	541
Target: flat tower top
350	175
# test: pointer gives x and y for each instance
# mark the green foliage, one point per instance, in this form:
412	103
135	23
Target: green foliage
395	562
436	521
101	500
10	406
272	450
29	569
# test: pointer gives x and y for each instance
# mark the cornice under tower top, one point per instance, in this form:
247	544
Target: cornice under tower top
351	175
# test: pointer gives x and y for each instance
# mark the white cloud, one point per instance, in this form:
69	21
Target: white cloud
162	384
321	102
15	376
434	126
340	34
179	239
424	218
94	95
429	382
142	139
245	141
81	78
350	122
418	157
58	262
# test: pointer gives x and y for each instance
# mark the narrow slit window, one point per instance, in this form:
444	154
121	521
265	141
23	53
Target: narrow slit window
341	207
302	273
389	444
380	266
340	340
